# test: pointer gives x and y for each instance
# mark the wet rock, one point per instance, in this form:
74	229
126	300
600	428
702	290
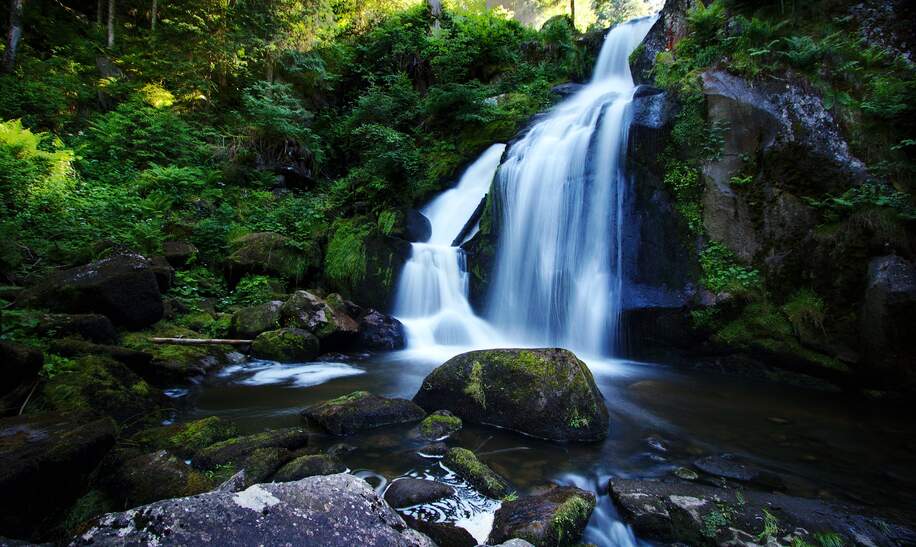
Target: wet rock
309	466
45	462
156	476
478	474
186	439
270	253
728	466
436	450
410	225
555	516
121	287
262	463
326	318
384	258
686	473
178	253
409	491
72	347
340	450
361	410
670	27
694	514
333	511
888	318
378	331
546	393
438	425
19	368
285	345
442	533
249	322
91	327
567	89
237	451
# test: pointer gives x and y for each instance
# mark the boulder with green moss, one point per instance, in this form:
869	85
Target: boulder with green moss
308	465
156	476
361	410
92	327
19	368
175	363
237	451
46	460
554	516
465	463
186	439
270	253
326	318
438	425
251	321
546	393
285	345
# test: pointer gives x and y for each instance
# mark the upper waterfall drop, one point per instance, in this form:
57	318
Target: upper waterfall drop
557	277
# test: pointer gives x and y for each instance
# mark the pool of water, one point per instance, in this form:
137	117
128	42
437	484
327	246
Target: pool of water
820	443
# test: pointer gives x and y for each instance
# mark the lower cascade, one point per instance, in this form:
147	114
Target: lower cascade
557	277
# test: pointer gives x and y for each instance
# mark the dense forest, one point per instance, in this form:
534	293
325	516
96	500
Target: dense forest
201	196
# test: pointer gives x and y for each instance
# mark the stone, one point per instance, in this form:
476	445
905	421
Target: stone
670	27
465	463
164	272
326	318
888	319
545	393
45	463
122	287
332	511
156	476
378	331
188	438
308	466
73	347
433	450
238	450
269	253
285	345
729	466
554	516
694	514
566	90
411	225
442	533
408	491
249	322
178	253
438	425
92	327
19	366
361	410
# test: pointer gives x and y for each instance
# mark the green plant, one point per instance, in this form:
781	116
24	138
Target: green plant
770	527
251	289
721	271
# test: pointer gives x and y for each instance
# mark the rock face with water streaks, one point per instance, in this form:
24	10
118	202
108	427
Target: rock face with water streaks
553	516
546	393
335	510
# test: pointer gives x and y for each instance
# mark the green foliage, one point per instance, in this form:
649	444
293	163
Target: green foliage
829	539
770	527
687	186
345	260
862	197
252	289
722	272
805	310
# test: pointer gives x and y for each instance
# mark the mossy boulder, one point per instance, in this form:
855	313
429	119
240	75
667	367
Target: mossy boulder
19	367
251	321
238	450
361	410
546	393
123	287
175	363
156	476
101	386
179	253
555	516
438	425
326	318
137	361
92	327
410	491
285	345
465	463
270	253
309	465
46	461
187	439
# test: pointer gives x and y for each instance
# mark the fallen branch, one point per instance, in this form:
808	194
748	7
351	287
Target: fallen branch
201	341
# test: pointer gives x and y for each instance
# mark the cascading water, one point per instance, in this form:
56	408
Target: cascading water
557	278
432	298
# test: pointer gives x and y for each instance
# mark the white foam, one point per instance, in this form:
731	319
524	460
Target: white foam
300	375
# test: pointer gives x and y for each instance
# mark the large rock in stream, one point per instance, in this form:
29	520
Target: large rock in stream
331	511
546	393
123	287
554	516
361	410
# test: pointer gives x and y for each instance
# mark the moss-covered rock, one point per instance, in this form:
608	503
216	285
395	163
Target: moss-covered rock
326	318
555	516
438	425
271	254
92	327
175	363
156	476
546	393
465	463
285	345
253	320
309	465
187	439
361	410
236	451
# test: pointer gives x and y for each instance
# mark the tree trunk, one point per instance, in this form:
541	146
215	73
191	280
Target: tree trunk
99	9
572	12
153	13
13	35
111	24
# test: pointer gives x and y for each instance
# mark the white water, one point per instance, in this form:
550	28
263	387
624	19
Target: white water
432	298
557	276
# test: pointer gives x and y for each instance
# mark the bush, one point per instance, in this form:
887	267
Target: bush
32	166
722	273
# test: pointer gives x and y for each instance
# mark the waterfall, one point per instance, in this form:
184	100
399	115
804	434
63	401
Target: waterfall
432	296
557	277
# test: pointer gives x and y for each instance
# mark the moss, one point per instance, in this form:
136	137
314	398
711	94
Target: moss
348	398
88	507
435	425
466	464
636	54
285	345
188	438
181	357
805	311
474	387
569	519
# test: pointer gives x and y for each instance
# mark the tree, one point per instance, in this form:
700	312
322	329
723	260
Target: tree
153	13
13	35
111	24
